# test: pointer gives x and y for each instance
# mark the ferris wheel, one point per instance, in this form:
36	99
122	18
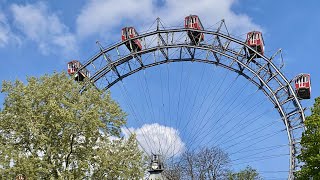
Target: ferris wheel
191	100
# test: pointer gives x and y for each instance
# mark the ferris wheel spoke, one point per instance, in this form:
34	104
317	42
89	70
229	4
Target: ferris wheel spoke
162	107
238	124
244	104
250	123
179	94
212	102
159	129
197	91
258	152
218	101
192	126
197	112
135	116
226	111
175	139
253	133
261	158
258	139
184	107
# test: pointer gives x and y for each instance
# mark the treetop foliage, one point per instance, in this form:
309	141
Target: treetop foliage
207	163
247	174
310	154
49	130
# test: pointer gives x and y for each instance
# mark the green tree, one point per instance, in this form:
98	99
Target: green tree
247	174
310	142
205	163
48	130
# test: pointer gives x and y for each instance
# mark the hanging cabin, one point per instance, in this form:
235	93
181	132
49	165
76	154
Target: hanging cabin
255	41
193	22
303	86
156	164
128	33
73	67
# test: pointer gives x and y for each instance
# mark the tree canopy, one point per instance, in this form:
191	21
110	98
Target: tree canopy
247	174
310	142
207	163
48	130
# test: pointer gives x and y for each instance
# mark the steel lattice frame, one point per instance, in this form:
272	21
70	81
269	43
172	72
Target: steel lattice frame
222	50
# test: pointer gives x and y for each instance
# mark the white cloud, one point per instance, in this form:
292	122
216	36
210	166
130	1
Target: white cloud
100	16
4	30
44	28
6	35
155	138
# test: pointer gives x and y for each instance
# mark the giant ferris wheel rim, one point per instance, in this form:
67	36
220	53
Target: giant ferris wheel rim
278	74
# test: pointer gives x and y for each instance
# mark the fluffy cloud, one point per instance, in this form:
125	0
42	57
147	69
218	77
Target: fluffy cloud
6	34
44	28
100	16
105	18
155	138
4	30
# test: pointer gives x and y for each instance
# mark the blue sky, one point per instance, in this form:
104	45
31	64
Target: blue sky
40	37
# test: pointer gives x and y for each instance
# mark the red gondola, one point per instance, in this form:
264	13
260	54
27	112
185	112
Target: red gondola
303	86
130	32
255	41
73	67
193	22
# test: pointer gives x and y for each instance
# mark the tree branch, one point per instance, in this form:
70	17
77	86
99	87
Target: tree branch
71	150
